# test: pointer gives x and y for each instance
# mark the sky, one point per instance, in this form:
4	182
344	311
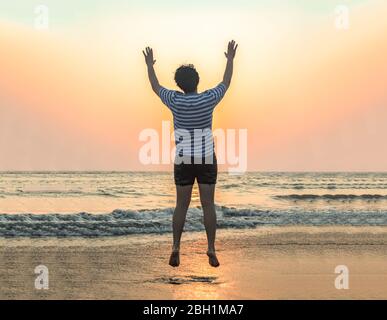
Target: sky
76	96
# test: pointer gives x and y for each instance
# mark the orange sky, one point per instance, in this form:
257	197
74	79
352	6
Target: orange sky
311	97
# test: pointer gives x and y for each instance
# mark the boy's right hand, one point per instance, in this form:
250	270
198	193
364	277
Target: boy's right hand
231	50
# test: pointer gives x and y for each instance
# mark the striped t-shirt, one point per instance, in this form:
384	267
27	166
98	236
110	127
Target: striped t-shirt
192	119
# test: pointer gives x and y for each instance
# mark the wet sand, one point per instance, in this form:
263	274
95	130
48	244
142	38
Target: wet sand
263	263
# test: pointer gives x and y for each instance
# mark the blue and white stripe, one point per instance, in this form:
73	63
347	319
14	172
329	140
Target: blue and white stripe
192	119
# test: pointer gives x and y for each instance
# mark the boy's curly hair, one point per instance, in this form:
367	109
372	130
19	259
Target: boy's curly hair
187	78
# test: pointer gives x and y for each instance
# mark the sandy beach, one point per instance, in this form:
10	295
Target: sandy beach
263	263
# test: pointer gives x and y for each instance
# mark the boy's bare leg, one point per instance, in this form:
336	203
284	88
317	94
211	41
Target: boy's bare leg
207	192
183	199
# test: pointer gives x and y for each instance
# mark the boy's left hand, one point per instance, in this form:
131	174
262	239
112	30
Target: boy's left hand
148	54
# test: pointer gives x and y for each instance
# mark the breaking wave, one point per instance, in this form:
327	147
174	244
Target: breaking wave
338	197
125	222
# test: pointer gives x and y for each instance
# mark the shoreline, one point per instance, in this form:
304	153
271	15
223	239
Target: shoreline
269	235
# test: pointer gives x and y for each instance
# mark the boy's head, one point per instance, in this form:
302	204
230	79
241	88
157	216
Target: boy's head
187	78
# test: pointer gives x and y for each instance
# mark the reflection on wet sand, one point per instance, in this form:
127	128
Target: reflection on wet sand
265	263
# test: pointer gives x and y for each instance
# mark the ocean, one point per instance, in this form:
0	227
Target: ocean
98	204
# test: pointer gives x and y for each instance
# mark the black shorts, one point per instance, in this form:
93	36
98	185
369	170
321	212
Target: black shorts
204	172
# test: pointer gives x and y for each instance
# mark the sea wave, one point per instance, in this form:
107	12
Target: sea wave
125	222
319	185
61	193
338	197
108	191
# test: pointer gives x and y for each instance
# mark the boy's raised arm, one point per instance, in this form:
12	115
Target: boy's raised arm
230	55
148	54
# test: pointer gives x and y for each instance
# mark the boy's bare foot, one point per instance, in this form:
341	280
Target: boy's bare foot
212	259
174	260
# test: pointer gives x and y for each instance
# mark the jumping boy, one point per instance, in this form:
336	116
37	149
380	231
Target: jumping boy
195	159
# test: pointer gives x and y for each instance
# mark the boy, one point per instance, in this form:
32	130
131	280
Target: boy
192	117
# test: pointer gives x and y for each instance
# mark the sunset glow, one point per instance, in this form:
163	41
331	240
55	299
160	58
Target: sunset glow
76	97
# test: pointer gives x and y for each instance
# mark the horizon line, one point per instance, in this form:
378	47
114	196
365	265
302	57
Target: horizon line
171	171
